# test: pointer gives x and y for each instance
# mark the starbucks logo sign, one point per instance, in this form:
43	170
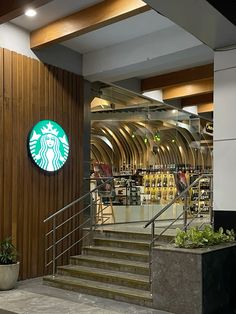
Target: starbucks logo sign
48	145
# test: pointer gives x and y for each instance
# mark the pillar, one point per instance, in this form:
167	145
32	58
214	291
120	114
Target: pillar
225	139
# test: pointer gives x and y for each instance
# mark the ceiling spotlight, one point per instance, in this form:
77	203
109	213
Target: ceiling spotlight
30	12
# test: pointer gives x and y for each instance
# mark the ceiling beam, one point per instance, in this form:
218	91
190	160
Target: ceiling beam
189	89
178	77
86	20
197	99
208	107
14	8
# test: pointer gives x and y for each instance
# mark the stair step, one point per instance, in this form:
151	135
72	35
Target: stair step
101	289
121	243
118	234
123	265
104	275
115	234
115	252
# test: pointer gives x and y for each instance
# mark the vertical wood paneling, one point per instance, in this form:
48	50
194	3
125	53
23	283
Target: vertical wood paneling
15	163
7	141
31	91
1	144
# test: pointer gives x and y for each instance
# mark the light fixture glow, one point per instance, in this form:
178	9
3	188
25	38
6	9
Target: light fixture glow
30	12
174	111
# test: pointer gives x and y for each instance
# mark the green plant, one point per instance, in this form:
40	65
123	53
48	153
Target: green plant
195	238
8	253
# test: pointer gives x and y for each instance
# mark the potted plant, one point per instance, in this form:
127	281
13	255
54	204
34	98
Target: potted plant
198	272
9	267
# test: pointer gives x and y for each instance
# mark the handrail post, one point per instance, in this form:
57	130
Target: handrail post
185	211
153	230
211	202
54	248
150	253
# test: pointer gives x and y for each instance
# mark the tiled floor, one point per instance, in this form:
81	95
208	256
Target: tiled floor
31	297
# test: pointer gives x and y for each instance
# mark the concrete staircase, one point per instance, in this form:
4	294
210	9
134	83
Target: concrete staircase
116	266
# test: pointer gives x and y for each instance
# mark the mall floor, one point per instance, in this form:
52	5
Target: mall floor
31	296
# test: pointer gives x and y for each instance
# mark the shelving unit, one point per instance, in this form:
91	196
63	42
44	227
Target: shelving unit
200	196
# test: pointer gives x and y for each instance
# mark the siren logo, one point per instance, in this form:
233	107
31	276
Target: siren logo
48	145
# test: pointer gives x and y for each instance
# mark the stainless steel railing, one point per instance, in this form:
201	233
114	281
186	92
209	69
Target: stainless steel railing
183	214
91	221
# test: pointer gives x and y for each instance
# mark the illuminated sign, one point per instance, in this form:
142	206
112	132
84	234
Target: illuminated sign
48	145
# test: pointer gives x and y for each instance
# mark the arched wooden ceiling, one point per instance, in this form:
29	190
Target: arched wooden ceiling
134	143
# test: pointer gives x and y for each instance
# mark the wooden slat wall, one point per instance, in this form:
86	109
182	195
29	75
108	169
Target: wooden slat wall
31	91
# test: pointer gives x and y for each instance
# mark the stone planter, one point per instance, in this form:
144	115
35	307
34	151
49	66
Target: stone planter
196	281
8	276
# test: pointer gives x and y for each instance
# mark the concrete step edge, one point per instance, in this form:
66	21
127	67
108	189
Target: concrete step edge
111	260
143	242
106	273
104	287
118	250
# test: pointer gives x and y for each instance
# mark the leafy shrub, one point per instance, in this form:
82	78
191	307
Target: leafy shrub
8	252
195	238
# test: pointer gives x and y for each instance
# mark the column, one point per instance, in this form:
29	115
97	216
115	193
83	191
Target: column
225	139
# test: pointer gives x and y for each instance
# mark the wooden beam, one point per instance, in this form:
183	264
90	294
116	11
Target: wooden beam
208	107
197	99
190	89
87	20
179	77
14	8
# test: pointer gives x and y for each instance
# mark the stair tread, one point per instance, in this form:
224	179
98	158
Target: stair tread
123	240
118	249
112	260
106	272
120	231
121	290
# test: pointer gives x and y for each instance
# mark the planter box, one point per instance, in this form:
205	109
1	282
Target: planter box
196	281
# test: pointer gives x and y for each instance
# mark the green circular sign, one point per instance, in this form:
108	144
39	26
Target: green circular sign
48	145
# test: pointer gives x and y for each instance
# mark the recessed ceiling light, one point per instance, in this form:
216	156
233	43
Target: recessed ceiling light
30	12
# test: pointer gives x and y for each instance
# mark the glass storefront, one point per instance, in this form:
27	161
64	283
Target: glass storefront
152	150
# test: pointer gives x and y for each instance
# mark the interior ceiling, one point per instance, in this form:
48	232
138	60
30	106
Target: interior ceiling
52	11
118	34
130	28
212	22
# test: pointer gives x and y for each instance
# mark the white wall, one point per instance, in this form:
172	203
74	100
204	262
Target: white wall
225	131
17	39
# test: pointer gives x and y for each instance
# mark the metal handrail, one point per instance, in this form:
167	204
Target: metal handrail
55	226
176	198
77	200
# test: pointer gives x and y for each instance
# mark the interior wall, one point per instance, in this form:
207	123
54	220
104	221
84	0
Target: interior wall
224	130
17	39
31	91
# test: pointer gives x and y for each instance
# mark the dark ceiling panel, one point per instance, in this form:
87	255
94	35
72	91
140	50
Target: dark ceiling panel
202	19
226	8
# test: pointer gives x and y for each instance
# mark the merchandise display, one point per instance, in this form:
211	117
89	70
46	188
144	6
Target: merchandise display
160	185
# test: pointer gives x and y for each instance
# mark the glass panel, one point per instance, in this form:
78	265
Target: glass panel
155	151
